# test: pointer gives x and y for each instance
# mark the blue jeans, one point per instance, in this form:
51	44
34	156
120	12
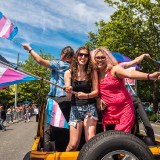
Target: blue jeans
79	113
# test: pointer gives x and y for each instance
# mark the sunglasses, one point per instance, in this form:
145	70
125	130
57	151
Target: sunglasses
83	54
100	58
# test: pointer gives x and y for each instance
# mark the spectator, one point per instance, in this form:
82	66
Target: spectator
36	112
27	115
2	117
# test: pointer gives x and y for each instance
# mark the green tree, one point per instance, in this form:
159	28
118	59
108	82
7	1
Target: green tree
35	91
133	29
5	97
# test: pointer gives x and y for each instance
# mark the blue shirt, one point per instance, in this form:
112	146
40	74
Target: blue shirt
58	68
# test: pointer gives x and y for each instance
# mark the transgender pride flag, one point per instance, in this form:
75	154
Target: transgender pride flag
9	76
7	29
54	114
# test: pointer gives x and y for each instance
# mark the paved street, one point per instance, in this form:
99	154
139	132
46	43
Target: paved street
19	137
17	140
156	128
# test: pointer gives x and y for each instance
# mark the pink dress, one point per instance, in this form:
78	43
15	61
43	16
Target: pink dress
119	104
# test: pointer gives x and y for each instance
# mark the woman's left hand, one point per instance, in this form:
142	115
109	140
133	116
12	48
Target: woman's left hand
81	95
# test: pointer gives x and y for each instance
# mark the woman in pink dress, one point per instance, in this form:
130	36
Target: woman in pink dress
112	90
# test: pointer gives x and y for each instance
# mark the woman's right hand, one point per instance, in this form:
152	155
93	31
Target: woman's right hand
26	46
68	89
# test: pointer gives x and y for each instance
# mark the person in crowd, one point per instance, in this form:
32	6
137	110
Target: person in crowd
58	67
36	112
8	115
150	107
82	80
27	115
2	117
112	91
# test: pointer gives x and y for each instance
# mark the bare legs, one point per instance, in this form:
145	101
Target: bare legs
89	128
75	133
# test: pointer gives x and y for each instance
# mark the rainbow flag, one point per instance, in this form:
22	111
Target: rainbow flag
9	76
7	29
55	116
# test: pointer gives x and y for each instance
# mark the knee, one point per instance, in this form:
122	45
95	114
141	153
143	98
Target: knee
72	146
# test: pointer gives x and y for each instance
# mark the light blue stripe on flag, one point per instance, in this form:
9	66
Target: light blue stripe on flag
66	125
49	109
13	33
1	15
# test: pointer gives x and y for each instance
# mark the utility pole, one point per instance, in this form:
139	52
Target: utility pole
16	85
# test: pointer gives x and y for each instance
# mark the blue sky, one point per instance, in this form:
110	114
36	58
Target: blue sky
51	24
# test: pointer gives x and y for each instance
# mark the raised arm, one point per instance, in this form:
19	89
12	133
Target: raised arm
119	72
38	58
137	60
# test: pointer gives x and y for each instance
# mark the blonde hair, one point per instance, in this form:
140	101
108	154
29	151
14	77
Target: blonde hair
110	60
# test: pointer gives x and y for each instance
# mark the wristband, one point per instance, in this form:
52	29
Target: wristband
30	50
148	76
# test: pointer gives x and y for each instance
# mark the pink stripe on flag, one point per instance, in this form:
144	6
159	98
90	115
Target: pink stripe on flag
2	23
61	123
11	75
9	31
55	106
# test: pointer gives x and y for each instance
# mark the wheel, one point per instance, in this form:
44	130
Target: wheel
115	145
27	156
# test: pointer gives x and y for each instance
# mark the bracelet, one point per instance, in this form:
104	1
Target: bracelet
88	95
30	50
148	76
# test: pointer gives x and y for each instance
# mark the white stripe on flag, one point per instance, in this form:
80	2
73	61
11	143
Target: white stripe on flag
57	117
2	70
5	27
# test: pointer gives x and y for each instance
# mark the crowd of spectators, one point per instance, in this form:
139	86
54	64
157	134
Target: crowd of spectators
18	113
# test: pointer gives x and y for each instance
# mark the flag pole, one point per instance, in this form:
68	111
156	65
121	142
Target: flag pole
38	78
16	85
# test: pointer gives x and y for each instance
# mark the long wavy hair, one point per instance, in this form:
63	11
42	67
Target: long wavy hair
88	66
110	60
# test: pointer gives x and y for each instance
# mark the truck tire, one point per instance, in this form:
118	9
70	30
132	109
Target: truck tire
115	145
27	156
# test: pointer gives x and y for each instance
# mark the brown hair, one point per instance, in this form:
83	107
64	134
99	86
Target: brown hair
88	67
67	52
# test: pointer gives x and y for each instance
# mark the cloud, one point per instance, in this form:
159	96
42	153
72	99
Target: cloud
52	24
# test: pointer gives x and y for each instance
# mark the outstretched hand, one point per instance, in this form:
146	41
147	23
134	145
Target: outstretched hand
26	46
141	57
154	76
146	55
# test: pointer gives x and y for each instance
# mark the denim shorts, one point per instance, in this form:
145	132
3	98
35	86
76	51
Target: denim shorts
79	113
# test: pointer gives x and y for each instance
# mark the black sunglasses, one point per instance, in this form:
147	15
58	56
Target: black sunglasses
100	58
83	54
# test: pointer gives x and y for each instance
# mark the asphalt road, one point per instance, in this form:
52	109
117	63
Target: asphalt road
17	140
156	128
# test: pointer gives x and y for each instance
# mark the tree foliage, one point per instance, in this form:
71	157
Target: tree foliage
133	29
33	91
